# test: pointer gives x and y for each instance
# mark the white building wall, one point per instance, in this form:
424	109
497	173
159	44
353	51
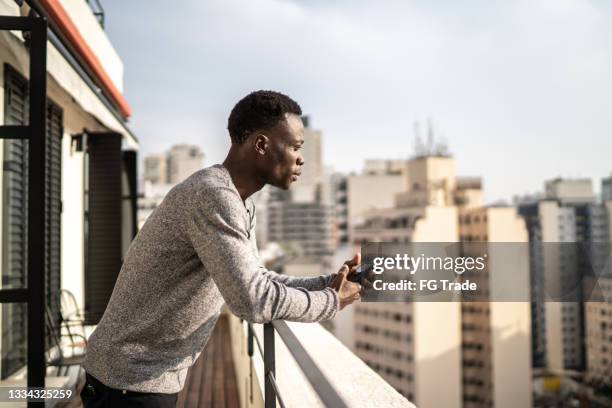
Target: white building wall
437	326
73	225
90	29
549	222
510	321
81	110
367	192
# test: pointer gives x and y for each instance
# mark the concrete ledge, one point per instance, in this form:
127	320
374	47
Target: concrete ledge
354	381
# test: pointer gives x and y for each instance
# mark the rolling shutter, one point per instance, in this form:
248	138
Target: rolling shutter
103	222
15	209
14	268
53	209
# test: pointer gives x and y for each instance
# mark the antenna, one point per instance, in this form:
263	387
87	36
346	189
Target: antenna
430	137
419	149
441	147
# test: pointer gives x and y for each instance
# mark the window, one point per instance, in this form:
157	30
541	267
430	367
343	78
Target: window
15	207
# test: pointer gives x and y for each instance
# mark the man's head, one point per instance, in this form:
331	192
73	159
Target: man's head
266	127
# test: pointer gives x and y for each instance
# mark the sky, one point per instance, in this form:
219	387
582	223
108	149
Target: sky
519	90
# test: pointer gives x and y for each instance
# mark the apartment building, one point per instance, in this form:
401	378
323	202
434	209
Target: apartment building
598	328
491	375
90	170
354	194
306	226
410	344
156	169
301	219
182	161
567	216
598	310
308	188
606	188
422	348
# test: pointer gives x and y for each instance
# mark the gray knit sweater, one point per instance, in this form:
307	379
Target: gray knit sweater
196	251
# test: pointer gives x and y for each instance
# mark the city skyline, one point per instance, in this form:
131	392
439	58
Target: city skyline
74	212
519	89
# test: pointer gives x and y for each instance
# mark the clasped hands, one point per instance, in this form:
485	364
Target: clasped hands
348	291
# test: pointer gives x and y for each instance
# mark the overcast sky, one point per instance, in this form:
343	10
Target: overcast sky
521	90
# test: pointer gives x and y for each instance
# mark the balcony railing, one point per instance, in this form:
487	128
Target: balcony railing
321	385
274	368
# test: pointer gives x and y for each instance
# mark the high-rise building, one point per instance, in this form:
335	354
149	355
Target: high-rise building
339	200
492	376
606	188
301	219
422	348
183	160
155	169
598	327
365	192
598	312
403	341
173	166
574	191
567	215
307	188
306	226
384	166
162	172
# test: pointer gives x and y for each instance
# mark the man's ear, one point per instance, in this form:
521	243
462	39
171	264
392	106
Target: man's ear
261	144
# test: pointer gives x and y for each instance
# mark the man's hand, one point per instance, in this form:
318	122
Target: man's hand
353	264
348	292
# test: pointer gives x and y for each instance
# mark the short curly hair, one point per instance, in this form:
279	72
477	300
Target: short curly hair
259	110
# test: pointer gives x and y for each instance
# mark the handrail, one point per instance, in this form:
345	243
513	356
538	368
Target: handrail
315	376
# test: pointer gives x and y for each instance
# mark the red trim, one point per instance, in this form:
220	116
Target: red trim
69	30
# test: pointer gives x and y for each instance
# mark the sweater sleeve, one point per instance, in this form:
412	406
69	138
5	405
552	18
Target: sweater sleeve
218	230
309	283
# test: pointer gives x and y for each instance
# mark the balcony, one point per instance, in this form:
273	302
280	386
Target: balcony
225	375
334	371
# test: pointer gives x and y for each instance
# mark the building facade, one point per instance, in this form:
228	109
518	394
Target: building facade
182	161
424	347
90	182
300	219
156	169
569	215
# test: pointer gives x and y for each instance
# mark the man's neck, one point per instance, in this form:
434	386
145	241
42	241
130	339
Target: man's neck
243	176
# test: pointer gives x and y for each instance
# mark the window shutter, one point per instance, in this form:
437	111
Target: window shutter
103	222
15	209
53	227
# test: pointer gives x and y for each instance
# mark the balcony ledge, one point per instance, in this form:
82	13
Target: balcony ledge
356	383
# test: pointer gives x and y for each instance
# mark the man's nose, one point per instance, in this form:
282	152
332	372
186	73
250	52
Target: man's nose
300	160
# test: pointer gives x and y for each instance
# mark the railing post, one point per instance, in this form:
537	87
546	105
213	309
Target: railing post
269	365
250	350
250	341
36	206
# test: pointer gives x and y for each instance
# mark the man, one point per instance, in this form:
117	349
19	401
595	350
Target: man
196	252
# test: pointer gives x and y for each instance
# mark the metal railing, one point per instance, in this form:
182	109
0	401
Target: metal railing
35	132
97	10
318	381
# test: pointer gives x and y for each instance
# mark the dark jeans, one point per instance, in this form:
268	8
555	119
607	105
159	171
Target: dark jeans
97	395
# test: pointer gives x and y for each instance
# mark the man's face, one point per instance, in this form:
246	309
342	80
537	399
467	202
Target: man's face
282	163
